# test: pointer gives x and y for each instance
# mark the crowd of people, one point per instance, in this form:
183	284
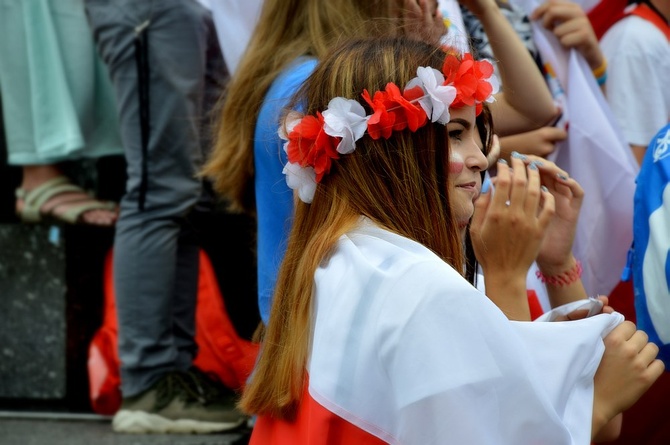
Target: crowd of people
419	232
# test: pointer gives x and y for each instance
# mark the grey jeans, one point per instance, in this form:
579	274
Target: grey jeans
163	59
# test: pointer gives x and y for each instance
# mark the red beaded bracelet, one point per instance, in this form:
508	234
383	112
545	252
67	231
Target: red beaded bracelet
563	279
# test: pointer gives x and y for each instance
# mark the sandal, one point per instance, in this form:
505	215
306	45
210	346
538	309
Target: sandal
34	200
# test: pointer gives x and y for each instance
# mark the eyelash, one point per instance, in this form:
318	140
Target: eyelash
456	134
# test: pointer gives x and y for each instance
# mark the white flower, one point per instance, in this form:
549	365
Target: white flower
345	118
495	85
292	119
438	97
302	179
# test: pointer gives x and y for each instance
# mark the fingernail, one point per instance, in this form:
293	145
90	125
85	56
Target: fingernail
532	166
544	189
502	161
538	163
561	176
486	186
517	155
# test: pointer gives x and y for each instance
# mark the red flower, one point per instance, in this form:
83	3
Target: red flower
410	115
380	123
393	111
310	146
470	77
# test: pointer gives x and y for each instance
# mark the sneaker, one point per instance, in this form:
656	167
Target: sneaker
178	403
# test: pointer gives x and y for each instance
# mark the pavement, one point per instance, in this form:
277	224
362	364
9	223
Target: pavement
39	428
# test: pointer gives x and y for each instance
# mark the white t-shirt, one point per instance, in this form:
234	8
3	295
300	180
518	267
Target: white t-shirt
638	77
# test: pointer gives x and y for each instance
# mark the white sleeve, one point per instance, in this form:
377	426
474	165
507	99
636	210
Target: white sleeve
462	373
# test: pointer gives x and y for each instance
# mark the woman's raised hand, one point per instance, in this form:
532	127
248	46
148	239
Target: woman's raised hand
555	254
507	230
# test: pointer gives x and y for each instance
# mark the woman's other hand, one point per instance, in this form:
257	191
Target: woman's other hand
627	369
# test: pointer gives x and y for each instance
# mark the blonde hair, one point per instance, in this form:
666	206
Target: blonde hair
400	183
287	29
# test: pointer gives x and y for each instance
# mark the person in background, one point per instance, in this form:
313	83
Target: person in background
568	21
58	106
290	38
165	63
637	48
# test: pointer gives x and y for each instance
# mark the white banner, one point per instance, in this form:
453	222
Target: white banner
597	156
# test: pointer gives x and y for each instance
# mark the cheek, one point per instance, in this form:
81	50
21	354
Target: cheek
456	163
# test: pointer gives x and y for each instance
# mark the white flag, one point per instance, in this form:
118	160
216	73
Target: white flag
597	155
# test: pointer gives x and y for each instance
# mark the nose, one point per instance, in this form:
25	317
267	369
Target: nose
474	156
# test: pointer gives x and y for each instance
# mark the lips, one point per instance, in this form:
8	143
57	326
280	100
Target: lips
469	187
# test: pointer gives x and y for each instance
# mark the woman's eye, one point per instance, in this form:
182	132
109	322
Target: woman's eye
456	134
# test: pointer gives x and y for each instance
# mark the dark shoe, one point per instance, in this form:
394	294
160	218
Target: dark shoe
177	404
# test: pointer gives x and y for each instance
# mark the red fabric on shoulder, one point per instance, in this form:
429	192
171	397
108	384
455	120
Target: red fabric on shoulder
605	14
644	11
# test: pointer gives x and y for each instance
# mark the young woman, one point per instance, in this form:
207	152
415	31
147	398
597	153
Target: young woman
291	36
374	335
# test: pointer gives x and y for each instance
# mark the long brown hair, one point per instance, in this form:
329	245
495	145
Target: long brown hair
287	29
399	183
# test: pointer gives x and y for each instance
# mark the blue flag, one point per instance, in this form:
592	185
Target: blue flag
651	234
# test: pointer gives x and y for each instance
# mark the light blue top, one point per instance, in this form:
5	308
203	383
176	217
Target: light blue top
274	199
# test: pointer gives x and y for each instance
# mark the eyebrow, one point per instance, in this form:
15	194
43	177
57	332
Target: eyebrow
467	124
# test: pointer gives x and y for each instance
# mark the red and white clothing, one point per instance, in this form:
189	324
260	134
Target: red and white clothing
406	351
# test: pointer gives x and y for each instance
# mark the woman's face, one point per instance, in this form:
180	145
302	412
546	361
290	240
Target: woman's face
466	163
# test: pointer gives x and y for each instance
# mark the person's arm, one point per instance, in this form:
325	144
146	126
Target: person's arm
638	152
525	102
540	142
611	431
571	26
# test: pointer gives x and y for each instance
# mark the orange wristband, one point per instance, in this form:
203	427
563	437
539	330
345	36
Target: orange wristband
601	70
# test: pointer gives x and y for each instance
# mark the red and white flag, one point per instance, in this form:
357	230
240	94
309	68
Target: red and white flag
405	351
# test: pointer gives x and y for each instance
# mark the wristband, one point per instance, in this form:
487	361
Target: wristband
600	73
601	70
563	279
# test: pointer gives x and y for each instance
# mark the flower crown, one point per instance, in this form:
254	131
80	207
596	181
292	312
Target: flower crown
313	141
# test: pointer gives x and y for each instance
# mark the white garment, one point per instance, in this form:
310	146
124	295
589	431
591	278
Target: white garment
638	77
235	21
406	349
